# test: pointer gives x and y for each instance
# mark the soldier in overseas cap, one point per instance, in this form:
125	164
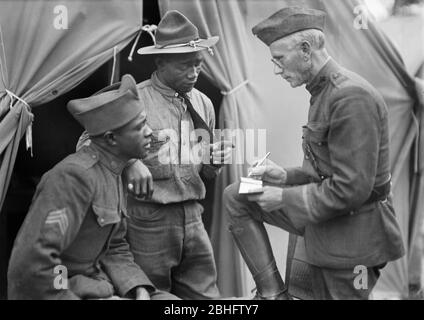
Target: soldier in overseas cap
72	243
339	199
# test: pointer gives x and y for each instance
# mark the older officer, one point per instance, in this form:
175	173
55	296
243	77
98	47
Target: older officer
339	199
76	224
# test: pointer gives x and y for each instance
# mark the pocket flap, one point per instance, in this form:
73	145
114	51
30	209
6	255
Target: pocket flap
106	216
316	132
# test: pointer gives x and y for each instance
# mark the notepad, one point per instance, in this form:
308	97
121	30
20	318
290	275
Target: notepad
250	186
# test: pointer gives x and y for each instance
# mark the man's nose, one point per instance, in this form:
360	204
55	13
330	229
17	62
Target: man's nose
278	70
148	131
193	72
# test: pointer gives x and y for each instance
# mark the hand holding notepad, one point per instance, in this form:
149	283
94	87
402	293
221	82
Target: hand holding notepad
252	186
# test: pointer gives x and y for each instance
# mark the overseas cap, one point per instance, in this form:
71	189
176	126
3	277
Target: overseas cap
288	21
108	110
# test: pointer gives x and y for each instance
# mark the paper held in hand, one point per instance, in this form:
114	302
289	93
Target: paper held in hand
250	186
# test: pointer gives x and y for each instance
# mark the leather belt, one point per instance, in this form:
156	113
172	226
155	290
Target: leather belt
379	193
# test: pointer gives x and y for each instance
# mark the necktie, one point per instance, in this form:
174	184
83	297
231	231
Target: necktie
198	122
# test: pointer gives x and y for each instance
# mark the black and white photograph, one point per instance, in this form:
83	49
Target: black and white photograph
212	154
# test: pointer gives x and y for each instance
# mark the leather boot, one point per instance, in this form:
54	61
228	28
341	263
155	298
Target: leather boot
252	240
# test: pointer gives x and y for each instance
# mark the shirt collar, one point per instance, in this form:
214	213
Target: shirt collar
322	77
109	160
164	89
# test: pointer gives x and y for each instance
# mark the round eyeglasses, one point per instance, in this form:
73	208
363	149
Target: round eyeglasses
278	67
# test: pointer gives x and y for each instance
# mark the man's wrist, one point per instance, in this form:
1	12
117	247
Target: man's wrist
133	292
131	162
284	176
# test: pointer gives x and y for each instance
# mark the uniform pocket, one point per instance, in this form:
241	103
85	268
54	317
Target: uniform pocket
315	148
316	133
106	216
144	211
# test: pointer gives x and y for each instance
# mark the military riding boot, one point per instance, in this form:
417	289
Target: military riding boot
252	240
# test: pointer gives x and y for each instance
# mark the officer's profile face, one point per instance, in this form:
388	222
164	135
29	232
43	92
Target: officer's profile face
289	61
133	140
180	71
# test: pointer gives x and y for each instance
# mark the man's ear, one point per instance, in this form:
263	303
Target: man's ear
306	48
109	138
159	61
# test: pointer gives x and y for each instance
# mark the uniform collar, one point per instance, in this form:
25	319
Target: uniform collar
323	76
163	89
109	160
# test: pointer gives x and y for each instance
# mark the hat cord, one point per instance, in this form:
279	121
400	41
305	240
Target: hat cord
193	43
150	29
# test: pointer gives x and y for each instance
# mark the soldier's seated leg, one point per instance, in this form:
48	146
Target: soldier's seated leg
248	230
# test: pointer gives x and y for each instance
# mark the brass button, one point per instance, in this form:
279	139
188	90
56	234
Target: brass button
176	94
320	143
102	220
322	178
306	157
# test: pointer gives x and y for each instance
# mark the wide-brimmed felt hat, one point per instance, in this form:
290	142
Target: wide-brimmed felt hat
108	110
177	34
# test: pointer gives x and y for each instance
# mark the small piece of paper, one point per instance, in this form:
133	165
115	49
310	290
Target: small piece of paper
250	186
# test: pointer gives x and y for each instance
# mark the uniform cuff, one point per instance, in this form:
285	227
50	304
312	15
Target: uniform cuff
125	289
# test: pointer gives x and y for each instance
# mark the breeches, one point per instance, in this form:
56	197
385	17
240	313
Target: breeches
171	245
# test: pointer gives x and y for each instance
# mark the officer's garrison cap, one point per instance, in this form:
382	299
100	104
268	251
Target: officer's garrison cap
288	21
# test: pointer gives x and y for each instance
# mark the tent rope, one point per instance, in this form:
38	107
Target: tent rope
3	78
12	96
28	132
235	89
150	29
114	65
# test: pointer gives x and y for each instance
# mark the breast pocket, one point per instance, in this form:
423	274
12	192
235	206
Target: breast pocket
315	147
316	133
159	159
93	233
106	216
